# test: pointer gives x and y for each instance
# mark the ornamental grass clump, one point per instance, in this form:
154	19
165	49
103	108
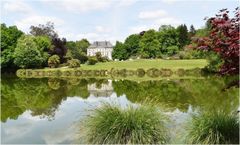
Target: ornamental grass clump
111	124
214	128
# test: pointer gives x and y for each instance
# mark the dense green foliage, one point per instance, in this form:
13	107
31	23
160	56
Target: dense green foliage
216	127
78	50
54	61
92	60
31	52
9	37
182	35
101	58
73	63
149	45
132	125
167	41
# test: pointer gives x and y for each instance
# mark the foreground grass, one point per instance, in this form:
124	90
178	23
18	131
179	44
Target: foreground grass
148	63
133	125
214	128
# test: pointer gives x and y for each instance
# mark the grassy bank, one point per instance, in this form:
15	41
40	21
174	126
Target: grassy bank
136	69
148	63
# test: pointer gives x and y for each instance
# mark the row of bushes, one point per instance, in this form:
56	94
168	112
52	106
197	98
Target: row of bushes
54	61
153	72
111	124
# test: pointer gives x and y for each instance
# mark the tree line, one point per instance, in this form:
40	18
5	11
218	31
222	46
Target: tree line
218	41
41	48
167	41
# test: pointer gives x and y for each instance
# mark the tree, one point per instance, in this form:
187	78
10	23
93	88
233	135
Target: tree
149	45
77	50
167	36
44	30
44	44
9	37
192	31
59	48
27	53
119	51
132	44
182	35
224	40
83	45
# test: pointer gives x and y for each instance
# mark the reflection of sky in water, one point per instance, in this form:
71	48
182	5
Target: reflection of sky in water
33	129
177	104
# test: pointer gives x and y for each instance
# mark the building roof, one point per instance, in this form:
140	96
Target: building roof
101	44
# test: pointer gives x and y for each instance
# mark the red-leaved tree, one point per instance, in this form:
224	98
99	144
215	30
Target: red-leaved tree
224	40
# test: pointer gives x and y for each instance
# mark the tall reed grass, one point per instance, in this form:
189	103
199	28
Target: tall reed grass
111	124
217	127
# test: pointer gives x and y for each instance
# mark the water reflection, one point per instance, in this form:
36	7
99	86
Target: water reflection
50	103
43	96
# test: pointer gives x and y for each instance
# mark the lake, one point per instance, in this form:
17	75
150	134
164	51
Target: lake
50	110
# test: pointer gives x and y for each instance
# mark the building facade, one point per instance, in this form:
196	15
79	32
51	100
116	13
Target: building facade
104	47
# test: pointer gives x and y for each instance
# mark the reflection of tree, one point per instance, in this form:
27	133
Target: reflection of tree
43	96
179	94
29	94
168	93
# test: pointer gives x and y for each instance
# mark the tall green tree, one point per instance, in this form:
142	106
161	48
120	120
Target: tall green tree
29	52
78	49
183	35
83	45
192	31
9	37
149	45
132	44
167	36
120	51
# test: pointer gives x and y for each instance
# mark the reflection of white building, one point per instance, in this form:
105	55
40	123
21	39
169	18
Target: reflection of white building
104	47
105	90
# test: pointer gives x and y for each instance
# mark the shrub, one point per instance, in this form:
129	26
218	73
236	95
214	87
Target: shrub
153	72
215	127
171	50
21	73
140	72
215	62
131	125
92	60
54	61
73	63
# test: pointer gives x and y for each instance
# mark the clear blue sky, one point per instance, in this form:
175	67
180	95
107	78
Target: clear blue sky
108	19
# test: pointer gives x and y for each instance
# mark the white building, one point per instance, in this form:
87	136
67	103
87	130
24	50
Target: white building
104	47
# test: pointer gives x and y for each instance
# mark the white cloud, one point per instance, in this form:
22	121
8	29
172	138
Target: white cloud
138	29
156	18
25	23
126	2
170	1
102	29
152	14
168	21
79	6
16	7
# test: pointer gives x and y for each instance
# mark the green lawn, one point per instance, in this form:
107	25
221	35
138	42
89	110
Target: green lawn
147	63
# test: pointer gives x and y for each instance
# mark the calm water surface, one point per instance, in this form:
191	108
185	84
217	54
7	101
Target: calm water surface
49	111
